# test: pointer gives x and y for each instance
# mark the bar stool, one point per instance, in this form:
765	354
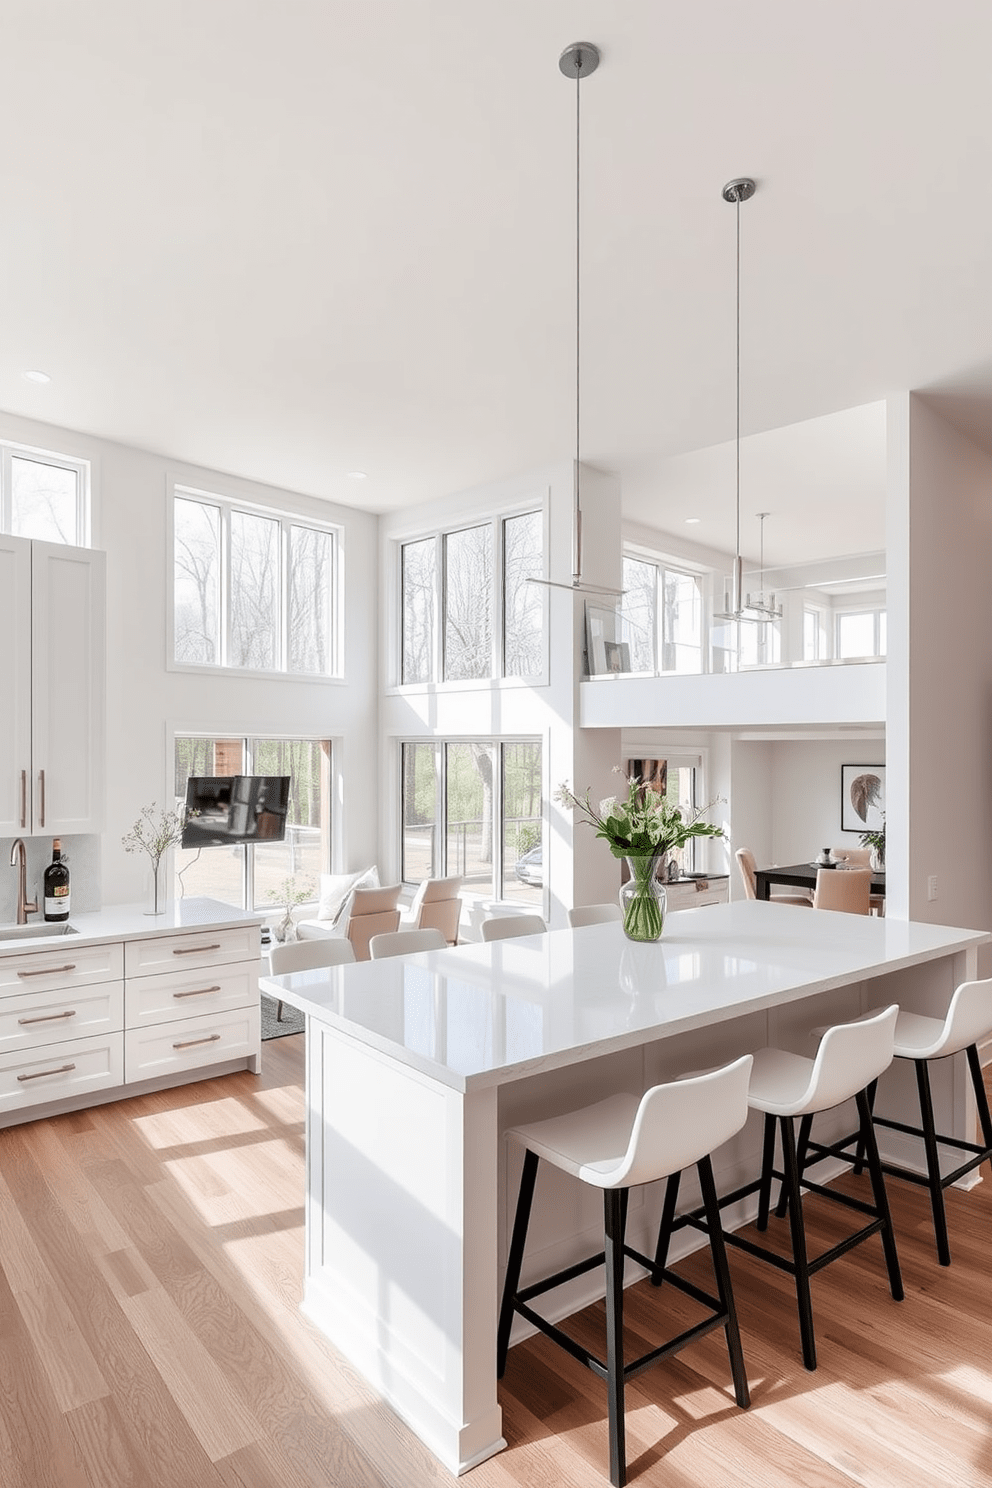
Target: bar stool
921	1039
616	1145
784	1086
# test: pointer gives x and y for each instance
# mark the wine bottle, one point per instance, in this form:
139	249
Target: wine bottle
57	885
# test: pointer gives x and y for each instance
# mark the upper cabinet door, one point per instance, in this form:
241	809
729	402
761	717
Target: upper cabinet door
15	686
68	690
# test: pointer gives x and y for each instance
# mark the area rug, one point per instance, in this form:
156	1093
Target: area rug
292	1020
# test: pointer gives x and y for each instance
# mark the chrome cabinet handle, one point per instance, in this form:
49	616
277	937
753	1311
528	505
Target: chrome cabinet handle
63	1069
48	1017
199	992
48	970
24	799
211	1038
41	777
194	950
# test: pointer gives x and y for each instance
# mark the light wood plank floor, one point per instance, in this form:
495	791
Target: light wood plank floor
151	1256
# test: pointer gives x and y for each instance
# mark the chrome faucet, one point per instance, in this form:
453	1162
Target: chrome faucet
18	860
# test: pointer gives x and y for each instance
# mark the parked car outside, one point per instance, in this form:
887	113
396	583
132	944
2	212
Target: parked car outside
529	868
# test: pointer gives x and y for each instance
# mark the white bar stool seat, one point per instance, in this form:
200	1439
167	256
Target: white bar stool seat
614	1145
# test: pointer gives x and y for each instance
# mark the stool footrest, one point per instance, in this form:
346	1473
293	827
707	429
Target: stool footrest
786	1263
636	1366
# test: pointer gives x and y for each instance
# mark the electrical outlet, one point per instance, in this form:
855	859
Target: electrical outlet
932	886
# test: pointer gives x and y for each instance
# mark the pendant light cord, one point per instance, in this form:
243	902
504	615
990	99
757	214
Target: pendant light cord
577	513
738	549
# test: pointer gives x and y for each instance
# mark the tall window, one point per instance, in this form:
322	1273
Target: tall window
468	611
251	589
245	873
44	496
474	808
816	635
661	615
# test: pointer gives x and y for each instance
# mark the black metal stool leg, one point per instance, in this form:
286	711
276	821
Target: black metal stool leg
981	1099
798	1230
933	1162
859	1155
613	1207
880	1196
665	1230
767	1163
515	1259
725	1289
805	1129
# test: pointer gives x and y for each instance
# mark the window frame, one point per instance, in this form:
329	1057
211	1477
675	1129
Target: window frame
247	849
81	468
287	517
497	674
439	744
682	569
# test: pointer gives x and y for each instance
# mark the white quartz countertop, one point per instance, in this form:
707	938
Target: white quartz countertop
482	1014
129	922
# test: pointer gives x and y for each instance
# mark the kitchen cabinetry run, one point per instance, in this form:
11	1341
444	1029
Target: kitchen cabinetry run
93	1022
52	676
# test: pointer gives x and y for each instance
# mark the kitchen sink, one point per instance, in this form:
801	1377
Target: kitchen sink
38	931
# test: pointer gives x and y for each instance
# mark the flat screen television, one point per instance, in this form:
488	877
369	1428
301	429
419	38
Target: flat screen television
225	809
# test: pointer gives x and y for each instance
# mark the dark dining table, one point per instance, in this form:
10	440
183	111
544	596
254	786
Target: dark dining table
803	876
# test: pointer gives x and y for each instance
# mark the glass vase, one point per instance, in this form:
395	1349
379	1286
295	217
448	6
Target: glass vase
643	899
156	889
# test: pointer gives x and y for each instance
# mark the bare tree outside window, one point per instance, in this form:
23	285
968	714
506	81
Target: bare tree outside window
196	585
44	500
639	612
420	810
683	622
523	603
309	599
468	616
254	591
419	563
469	801
522	808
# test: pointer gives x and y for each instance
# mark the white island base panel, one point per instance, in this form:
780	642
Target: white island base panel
417	1066
383	1194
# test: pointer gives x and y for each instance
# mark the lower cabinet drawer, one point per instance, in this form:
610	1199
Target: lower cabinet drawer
186	994
78	1067
190	1043
37	1019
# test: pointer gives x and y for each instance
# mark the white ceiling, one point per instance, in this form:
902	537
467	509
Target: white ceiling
294	241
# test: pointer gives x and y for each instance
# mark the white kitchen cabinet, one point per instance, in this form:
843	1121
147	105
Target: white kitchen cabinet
131	1008
52	675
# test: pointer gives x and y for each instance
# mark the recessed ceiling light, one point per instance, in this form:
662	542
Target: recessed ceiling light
692	521
37	377
356	475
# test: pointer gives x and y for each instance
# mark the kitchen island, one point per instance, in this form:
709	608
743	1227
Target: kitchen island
417	1065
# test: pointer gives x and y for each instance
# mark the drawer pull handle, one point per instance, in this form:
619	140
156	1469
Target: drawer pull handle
193	950
211	1038
49	970
48	1017
41	776
199	992
24	799
63	1069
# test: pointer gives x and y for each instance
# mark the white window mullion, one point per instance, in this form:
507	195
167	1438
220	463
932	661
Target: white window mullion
6	494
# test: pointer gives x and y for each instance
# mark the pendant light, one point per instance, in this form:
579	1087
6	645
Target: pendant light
739	190
763	605
578	61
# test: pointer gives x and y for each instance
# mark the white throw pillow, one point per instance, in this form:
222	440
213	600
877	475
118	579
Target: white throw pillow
367	879
334	888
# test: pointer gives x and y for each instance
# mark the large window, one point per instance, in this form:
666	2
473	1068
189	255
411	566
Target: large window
251	589
661	615
245	874
474	808
861	633
468	610
44	496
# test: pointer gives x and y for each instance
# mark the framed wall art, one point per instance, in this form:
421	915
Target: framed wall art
862	798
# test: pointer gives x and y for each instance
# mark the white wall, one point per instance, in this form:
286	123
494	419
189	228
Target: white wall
804	796
939	785
147	702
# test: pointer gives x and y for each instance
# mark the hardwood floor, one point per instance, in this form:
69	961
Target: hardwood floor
151	1257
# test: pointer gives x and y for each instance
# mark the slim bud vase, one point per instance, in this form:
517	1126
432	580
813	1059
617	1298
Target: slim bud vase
643	899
